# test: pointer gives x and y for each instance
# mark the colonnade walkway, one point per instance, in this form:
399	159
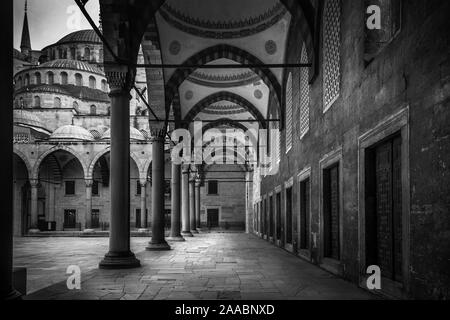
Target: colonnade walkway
207	266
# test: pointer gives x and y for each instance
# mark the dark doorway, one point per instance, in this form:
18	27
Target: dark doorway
95	219
271	226
167	217
70	219
384	208
331	212
289	215
213	218
304	214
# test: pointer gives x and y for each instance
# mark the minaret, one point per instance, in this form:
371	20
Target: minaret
25	45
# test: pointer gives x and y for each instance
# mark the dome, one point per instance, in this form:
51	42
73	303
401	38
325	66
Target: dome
27	118
87	35
97	132
71	64
135	134
71	132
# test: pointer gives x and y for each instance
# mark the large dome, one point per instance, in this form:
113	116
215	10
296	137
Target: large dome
81	36
71	64
135	134
70	132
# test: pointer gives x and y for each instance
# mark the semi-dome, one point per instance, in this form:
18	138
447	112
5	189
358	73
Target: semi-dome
135	134
87	35
71	132
71	64
27	118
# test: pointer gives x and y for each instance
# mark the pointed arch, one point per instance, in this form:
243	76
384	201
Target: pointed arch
23	157
227	96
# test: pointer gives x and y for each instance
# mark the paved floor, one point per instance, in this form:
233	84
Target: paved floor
208	266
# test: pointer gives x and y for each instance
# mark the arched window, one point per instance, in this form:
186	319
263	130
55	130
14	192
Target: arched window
21	103
104	85
331	52
87	54
50	78
27	80
92	82
37	78
60	53
93	110
19	82
108	111
78	79
304	95
289	113
37	102
57	103
64	78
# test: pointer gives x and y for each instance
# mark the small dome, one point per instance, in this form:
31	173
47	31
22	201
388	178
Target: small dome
97	132
71	64
135	134
27	118
72	133
87	35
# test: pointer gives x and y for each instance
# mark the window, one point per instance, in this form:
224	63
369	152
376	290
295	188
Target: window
93	110
104	85
92	82
304	213
50	78
57	103
213	187
37	78
304	95
19	82
37	102
27	80
95	190
377	39
331	52
331	212
87	54
60	53
138	187
64	78
70	188
73	53
289	113
78	79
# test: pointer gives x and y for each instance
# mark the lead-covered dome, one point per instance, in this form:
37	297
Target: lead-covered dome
71	132
71	64
135	134
27	118
87	35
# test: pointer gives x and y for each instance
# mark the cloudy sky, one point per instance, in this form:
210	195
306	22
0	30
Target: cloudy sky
50	20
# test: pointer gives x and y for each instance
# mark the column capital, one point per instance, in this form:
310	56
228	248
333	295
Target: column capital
198	183
34	183
89	182
143	183
157	134
185	168
120	82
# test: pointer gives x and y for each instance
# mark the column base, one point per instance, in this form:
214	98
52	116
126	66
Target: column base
88	231
121	260
176	239
194	231
185	234
34	231
162	246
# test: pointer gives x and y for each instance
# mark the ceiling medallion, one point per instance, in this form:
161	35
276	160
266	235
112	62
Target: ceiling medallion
258	94
271	47
189	95
175	47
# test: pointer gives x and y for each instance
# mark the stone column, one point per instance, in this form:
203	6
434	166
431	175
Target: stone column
143	205
175	221
120	255
197	205
186	228
51	211
192	220
88	217
34	206
158	241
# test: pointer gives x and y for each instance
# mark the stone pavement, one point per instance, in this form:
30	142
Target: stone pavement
208	266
